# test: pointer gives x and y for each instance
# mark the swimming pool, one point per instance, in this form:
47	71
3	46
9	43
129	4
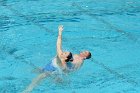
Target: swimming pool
108	28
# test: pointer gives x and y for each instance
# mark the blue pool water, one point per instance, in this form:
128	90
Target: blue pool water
110	29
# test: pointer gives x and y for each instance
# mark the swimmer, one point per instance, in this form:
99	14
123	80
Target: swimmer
63	62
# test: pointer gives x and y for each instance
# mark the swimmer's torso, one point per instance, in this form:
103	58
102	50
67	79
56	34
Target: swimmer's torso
75	64
55	65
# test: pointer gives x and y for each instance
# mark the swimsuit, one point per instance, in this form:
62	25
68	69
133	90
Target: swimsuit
52	66
49	67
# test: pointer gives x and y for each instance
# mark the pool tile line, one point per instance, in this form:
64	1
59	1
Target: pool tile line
11	52
87	12
121	76
21	58
80	8
48	30
26	18
113	72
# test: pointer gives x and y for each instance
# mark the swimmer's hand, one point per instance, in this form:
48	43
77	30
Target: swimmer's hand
60	29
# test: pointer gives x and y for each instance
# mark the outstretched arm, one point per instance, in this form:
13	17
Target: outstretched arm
59	41
60	59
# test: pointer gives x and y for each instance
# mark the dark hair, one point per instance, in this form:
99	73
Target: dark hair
89	56
69	57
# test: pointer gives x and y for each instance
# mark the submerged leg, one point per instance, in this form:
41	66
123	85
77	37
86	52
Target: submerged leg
35	82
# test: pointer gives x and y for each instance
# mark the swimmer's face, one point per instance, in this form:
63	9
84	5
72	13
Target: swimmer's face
85	54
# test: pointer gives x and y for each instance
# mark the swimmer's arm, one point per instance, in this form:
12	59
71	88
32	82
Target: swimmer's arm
59	41
61	62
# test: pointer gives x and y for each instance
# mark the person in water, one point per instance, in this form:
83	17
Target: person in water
63	62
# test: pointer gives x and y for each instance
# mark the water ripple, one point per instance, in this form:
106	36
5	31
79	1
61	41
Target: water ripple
6	23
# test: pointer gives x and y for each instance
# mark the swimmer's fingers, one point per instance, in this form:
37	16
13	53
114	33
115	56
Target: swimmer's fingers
60	28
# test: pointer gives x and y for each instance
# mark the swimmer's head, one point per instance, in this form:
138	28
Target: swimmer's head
68	56
85	54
